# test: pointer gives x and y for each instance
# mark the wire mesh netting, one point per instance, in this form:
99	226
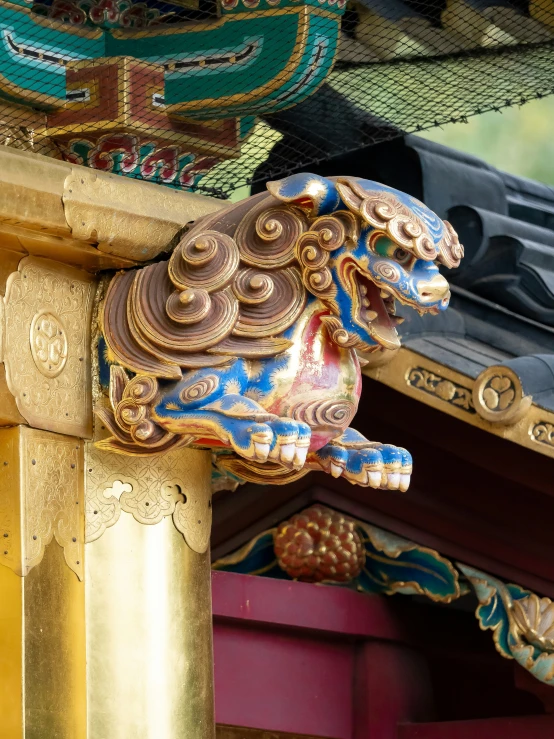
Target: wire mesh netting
212	95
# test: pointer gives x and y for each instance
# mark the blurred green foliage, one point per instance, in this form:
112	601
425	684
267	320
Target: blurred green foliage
517	140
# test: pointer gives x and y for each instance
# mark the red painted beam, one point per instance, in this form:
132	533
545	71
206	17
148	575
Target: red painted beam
535	727
264	601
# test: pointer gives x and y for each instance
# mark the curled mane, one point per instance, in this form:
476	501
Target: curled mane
240	277
232	286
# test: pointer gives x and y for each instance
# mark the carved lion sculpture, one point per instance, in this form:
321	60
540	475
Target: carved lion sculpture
245	341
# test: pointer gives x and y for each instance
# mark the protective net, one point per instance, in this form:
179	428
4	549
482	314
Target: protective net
213	95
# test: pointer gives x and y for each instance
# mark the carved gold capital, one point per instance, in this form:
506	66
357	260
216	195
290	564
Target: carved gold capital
41	479
174	484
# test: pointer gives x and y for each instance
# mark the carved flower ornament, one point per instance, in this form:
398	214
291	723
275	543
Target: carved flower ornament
534	617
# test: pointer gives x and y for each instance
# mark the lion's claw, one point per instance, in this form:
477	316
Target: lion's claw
290	443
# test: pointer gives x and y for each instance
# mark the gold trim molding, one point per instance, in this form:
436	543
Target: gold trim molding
175	484
494	401
91	219
41	479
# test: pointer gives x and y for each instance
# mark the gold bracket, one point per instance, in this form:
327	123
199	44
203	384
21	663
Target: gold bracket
42	498
48	312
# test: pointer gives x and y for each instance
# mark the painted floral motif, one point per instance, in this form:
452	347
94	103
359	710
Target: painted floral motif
129	155
103	13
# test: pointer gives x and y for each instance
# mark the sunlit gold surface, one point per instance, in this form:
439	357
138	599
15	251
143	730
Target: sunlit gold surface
42	652
135	220
149	640
90	219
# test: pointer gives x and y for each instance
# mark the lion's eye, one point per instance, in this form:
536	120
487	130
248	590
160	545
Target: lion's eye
401	255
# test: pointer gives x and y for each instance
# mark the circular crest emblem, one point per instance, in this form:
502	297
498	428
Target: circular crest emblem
48	343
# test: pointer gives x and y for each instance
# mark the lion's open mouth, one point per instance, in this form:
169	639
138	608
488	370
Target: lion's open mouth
376	311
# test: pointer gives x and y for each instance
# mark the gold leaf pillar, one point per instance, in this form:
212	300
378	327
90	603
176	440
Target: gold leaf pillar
148	597
42	596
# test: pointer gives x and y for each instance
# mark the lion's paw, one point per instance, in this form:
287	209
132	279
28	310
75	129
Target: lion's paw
381	466
291	441
281	440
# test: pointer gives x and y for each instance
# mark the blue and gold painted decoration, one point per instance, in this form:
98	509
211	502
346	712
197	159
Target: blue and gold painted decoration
522	623
257	557
322	545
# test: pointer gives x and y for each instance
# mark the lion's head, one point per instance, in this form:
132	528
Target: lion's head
366	246
242	276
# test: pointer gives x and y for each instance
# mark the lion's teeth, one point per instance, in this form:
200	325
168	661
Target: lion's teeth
396	320
363	289
371	315
365	303
385	293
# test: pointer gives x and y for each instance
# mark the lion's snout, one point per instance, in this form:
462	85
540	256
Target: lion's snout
433	290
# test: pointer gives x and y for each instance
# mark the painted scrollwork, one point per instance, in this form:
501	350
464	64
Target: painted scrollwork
441	387
542	433
129	418
267	236
406	223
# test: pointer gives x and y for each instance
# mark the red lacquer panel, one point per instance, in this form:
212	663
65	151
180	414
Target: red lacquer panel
283	682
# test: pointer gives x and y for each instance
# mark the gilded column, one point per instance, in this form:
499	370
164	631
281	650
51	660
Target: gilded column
42	595
148	598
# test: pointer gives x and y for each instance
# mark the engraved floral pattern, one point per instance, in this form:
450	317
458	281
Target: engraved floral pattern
39	297
441	387
149	489
42	498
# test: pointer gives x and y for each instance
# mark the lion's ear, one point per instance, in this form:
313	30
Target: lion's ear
315	195
348	195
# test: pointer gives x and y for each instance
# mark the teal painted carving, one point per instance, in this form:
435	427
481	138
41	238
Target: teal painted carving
249	61
146	89
322	545
248	340
522	623
396	565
